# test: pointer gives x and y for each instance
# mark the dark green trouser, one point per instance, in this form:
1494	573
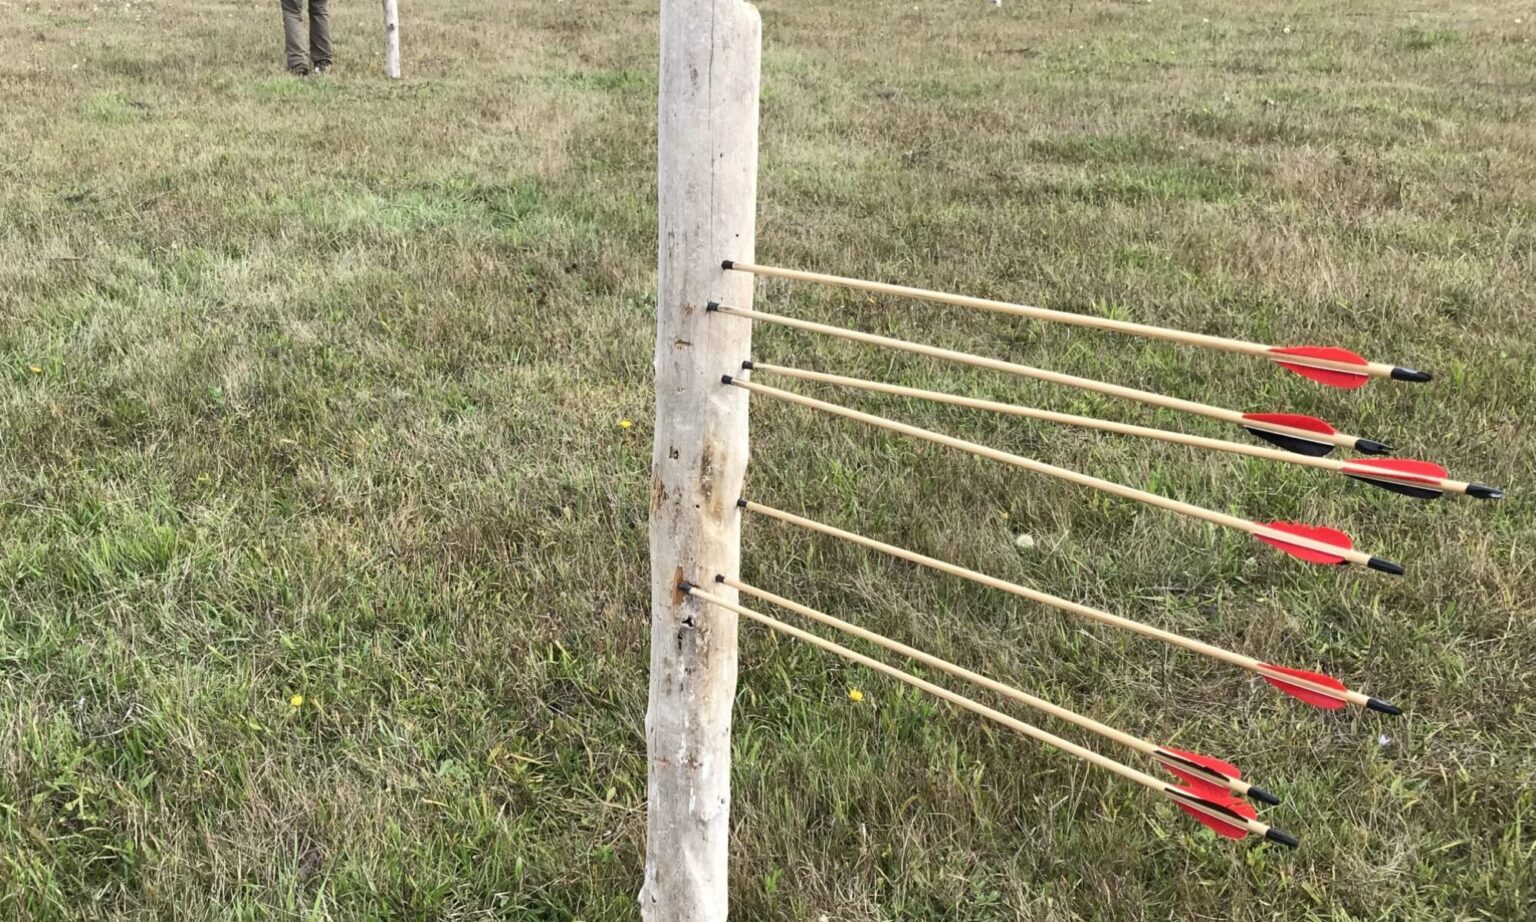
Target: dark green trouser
319	53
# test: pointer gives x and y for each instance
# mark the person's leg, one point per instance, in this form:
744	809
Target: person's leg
320	34
293	36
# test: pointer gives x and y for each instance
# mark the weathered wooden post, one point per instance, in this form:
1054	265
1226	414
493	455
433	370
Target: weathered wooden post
707	209
392	39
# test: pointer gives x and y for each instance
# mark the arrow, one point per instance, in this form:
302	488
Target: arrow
1202	773
1311	543
1420	479
1328	365
1312	687
1217	809
1306	435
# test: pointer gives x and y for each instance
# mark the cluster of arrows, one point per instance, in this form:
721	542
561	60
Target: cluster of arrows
1209	789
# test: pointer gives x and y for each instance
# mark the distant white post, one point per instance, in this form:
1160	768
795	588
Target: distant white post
392	39
707	212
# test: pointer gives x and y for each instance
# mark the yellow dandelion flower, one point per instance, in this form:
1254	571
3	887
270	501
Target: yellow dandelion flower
296	701
625	424
855	695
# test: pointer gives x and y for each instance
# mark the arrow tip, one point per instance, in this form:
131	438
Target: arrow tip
1410	374
1386	566
1372	447
1483	491
731	264
1280	835
1385	707
1263	796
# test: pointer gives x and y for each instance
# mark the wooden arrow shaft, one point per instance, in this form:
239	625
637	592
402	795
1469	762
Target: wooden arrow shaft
975	707
1061	473
1034	595
1149	749
1066	419
1375	369
975	678
1025	371
1104	425
1052	601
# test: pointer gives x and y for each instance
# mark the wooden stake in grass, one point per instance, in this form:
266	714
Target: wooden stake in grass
1315	688
1312	543
1419	479
1328	365
1305	435
707	202
1201	772
392	39
1215	808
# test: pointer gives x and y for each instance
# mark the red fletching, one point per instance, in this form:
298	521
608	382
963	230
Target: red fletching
1398	469
1225	803
1314	532
1326	353
1290	420
1314	698
1198	781
1329	376
1305	435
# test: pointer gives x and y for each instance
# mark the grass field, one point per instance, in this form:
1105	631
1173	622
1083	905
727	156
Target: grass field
321	540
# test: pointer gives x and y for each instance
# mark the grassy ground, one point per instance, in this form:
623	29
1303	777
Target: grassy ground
314	389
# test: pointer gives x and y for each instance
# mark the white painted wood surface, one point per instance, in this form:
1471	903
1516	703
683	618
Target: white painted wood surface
392	39
707	211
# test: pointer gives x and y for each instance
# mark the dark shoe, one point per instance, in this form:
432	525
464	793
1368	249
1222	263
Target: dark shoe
322	69
300	71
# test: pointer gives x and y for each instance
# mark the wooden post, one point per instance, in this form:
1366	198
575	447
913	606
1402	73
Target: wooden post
707	211
392	39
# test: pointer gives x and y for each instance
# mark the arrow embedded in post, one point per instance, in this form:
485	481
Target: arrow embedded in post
1304	542
1330	365
1312	687
1219	810
1294	432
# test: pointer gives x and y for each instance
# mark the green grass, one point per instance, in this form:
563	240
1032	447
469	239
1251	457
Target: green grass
314	388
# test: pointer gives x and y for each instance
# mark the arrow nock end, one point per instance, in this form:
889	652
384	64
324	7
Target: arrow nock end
686	588
741	502
1411	374
731	264
1372	447
1385	707
711	307
1386	566
747	365
727	379
1263	796
1280	835
1483	491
